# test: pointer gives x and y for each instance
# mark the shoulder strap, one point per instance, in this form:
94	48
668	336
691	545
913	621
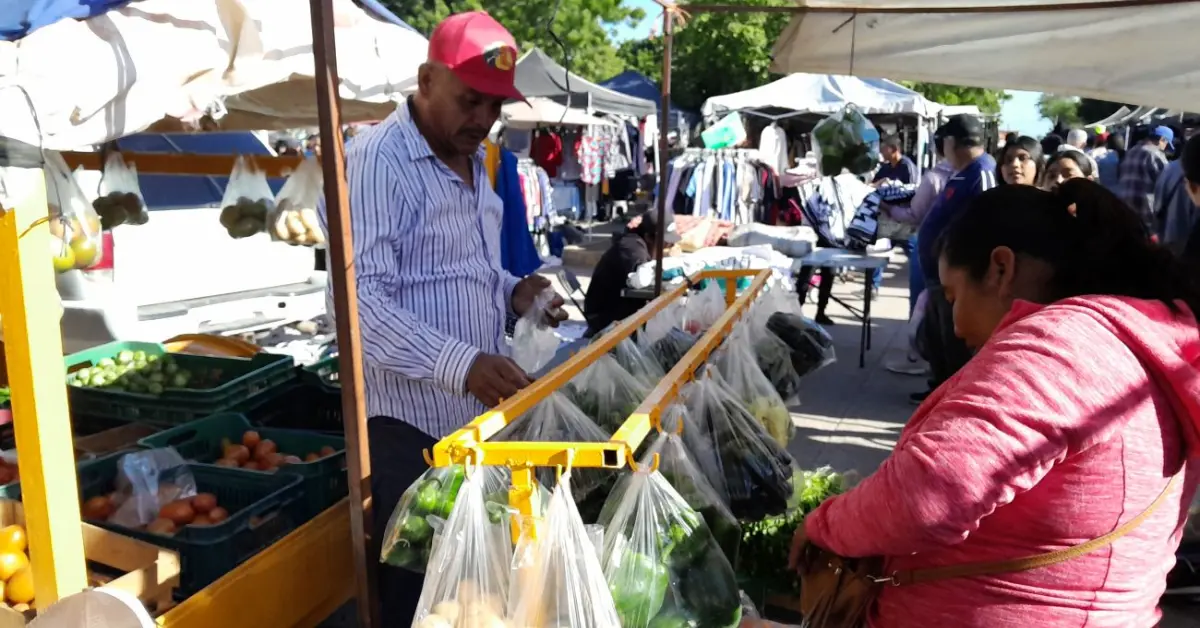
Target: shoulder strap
918	576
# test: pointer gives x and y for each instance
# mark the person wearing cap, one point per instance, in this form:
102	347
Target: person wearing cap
1139	173
975	172
604	304
1176	212
432	294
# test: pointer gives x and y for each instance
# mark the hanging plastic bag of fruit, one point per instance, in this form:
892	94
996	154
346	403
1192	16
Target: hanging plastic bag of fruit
664	339
846	140
152	488
410	528
756	471
631	357
661	561
606	393
559	578
466	579
739	369
680	469
75	231
534	343
811	346
120	201
294	218
557	419
247	202
703	308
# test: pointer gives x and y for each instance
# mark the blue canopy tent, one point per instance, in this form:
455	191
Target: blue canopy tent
634	83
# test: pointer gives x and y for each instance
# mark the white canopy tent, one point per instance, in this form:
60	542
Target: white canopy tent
1117	50
824	94
543	111
155	63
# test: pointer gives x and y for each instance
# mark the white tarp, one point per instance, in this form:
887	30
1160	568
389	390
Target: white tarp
123	71
825	94
1142	52
519	115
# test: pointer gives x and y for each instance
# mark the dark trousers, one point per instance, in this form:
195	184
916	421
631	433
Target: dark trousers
945	352
396	462
824	288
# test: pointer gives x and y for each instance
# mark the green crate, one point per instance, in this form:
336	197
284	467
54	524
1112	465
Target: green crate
261	511
89	483
320	371
242	379
325	481
303	405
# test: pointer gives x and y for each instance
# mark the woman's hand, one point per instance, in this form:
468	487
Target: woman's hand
799	544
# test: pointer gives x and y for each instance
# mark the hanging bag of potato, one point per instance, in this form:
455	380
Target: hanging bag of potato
120	201
74	225
247	201
295	217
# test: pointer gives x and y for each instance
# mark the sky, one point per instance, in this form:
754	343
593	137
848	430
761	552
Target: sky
1018	114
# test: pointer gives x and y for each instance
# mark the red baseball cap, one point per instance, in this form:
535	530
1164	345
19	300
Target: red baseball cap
480	52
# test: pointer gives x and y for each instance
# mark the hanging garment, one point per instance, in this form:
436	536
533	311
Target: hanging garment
491	160
591	158
547	151
571	170
591	198
518	255
773	148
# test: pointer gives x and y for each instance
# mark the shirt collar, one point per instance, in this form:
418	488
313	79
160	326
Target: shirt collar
418	147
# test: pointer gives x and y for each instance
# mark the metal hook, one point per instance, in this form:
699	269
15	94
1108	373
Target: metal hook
633	465
559	471
428	458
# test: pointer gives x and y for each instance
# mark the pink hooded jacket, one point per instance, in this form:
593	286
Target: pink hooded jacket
1069	421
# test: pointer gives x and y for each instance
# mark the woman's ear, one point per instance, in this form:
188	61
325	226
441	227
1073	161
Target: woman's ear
1002	269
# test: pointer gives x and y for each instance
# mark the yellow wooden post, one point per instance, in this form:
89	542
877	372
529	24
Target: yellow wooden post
33	343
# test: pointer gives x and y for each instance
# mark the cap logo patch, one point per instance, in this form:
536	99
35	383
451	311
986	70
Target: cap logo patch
500	56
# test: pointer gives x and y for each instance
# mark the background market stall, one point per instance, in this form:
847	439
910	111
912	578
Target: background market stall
539	76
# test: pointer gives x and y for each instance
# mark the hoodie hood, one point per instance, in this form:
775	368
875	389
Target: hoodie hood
1167	343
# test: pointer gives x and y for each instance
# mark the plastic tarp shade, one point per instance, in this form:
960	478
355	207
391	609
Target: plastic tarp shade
638	85
825	94
1122	53
527	115
18	18
539	76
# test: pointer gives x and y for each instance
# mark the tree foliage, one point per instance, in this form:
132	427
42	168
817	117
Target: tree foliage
1063	111
583	26
988	100
645	56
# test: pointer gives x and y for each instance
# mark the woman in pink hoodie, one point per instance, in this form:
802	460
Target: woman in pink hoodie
1080	408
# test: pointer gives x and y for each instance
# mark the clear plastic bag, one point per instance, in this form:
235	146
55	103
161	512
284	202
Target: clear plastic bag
662	564
676	464
631	357
659	325
739	368
424	505
556	419
294	217
466	580
148	481
606	392
846	140
120	201
560	580
247	202
755	470
811	346
703	308
772	354
75	228
534	344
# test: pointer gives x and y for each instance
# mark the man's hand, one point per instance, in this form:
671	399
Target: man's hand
525	294
493	378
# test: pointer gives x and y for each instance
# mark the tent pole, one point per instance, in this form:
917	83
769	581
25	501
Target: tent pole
345	305
664	125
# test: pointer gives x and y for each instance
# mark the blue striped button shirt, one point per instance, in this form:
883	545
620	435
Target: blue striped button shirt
431	292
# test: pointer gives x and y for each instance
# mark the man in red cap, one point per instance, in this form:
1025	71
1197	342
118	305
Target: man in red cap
432	295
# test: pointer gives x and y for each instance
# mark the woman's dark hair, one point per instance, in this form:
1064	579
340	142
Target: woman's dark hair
1050	144
1093	241
1189	158
1027	144
1078	157
1116	143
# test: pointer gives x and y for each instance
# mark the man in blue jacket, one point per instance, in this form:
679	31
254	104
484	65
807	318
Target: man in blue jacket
975	171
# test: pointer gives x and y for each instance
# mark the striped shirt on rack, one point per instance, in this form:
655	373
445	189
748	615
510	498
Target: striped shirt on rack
431	292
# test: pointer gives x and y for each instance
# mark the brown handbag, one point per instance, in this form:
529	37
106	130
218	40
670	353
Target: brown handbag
836	592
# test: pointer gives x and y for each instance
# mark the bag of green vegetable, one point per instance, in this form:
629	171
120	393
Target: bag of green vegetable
846	140
703	308
466	580
811	346
606	392
631	357
739	369
755	469
534	343
662	564
559	579
427	504
556	419
678	467
772	354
